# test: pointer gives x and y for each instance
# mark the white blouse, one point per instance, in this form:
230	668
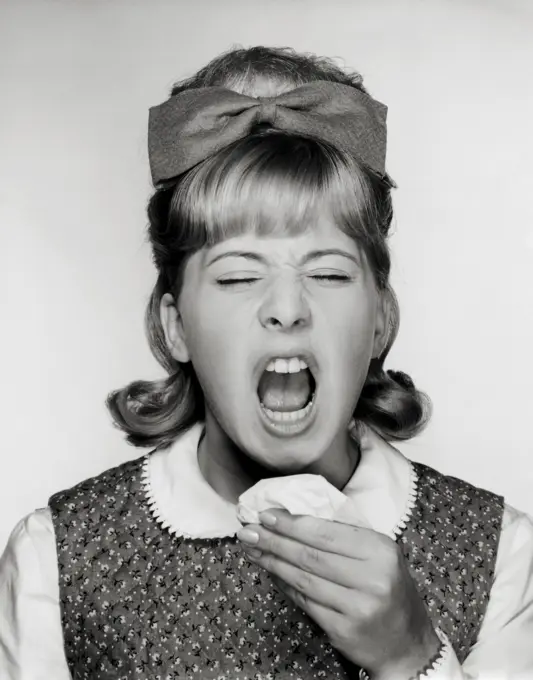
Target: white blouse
382	488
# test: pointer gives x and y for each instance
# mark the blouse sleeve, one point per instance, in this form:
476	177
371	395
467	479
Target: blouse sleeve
31	638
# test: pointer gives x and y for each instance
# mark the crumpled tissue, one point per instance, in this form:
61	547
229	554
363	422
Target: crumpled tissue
310	495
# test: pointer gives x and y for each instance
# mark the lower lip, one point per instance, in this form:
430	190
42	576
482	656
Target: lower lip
290	428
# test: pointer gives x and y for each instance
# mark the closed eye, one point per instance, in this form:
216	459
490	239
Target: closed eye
236	281
338	278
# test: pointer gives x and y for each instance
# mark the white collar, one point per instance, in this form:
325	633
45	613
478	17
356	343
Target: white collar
383	488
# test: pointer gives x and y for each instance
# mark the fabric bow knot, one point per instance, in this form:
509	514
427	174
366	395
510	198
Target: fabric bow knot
267	110
197	123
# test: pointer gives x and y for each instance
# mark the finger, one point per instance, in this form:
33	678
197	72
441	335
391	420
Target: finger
338	569
342	539
327	619
309	587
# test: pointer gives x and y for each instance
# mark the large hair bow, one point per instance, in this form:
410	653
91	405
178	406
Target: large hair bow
197	123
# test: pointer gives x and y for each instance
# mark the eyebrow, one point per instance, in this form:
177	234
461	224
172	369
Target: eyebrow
308	257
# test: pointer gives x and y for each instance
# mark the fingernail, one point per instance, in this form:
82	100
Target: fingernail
253	553
268	519
248	536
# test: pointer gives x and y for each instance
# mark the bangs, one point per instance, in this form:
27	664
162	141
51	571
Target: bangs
271	184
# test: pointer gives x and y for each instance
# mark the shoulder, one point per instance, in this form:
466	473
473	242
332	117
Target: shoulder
115	480
119	479
464	520
450	489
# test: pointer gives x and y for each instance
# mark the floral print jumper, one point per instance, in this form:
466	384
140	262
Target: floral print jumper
138	601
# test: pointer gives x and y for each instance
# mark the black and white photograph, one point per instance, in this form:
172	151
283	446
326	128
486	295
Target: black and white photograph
267	319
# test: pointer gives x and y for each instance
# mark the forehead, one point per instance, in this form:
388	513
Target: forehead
322	234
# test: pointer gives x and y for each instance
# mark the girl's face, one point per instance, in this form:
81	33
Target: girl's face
280	332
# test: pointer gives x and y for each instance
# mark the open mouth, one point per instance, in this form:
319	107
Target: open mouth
286	393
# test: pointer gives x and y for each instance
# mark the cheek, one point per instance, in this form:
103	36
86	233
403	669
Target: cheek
351	322
349	336
218	351
217	357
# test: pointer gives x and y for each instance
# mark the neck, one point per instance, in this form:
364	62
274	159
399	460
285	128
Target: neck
231	472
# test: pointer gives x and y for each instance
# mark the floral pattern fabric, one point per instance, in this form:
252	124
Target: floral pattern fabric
140	602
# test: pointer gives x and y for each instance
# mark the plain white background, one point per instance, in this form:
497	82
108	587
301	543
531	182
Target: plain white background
76	81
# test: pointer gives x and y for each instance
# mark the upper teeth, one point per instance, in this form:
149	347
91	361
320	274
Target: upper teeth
293	365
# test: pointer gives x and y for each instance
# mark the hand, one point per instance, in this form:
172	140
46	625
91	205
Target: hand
354	583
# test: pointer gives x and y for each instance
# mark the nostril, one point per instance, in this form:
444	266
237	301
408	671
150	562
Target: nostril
273	322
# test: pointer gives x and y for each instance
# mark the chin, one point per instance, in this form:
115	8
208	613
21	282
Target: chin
291	450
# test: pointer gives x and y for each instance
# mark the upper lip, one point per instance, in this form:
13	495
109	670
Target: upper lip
301	353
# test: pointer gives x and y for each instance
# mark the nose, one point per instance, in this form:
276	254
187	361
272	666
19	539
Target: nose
285	307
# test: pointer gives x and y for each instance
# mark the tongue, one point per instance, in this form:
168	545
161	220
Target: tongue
285	391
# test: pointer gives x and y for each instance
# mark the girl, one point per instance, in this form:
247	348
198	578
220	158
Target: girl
273	316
